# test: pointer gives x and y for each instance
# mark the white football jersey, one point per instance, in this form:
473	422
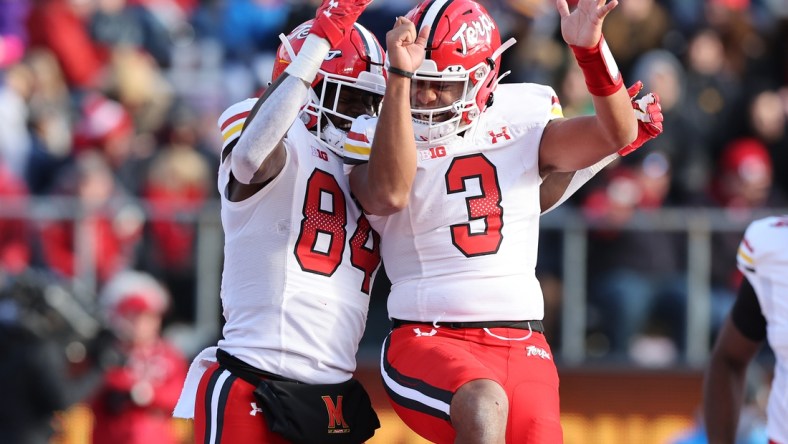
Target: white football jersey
464	249
763	258
299	260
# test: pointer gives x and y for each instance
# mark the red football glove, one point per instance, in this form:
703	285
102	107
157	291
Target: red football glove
334	17
649	114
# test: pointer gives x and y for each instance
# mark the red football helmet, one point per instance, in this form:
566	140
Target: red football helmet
358	62
463	47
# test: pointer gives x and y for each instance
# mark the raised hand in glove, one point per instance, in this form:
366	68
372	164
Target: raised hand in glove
336	17
649	114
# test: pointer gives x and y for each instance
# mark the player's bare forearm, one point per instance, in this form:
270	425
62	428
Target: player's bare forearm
722	400
617	123
552	188
383	185
723	388
579	142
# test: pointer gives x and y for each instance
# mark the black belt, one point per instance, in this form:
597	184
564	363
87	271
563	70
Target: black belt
536	326
245	371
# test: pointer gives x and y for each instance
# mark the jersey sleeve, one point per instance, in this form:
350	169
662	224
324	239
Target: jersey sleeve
528	121
745	255
358	144
746	313
232	121
556	111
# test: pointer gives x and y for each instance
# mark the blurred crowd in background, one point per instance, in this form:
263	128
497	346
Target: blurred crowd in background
114	102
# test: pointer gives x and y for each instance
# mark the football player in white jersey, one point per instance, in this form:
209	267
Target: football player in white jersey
759	314
299	255
466	360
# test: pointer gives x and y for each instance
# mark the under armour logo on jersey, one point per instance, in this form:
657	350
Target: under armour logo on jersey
255	409
421	333
331	5
533	350
504	132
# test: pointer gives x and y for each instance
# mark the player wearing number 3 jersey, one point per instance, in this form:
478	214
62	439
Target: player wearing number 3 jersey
466	360
299	255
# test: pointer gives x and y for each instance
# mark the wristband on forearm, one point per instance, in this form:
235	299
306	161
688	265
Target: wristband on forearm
307	63
400	72
599	69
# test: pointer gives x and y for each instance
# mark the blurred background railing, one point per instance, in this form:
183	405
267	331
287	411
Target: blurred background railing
566	231
587	373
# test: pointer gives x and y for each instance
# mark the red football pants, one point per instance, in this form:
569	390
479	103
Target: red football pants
225	411
423	367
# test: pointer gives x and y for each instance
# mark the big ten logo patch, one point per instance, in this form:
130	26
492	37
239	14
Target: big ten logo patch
320	153
432	153
336	421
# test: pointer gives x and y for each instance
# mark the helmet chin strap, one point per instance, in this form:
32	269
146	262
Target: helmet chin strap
287	45
504	46
497	54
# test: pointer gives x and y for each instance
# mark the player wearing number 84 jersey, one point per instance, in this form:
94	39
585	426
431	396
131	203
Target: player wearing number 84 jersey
299	255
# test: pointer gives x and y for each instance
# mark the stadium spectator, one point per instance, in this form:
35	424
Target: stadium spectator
50	122
134	403
47	365
631	293
690	164
767	122
112	224
61	27
638	27
16	87
743	184
123	24
176	185
15	235
712	93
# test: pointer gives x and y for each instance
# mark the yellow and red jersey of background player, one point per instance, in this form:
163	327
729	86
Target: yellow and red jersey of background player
763	258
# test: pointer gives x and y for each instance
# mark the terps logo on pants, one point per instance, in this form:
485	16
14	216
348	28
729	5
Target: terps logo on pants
533	350
336	421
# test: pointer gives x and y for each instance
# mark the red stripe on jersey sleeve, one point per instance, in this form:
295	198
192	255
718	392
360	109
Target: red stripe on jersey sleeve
234	118
745	243
352	135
